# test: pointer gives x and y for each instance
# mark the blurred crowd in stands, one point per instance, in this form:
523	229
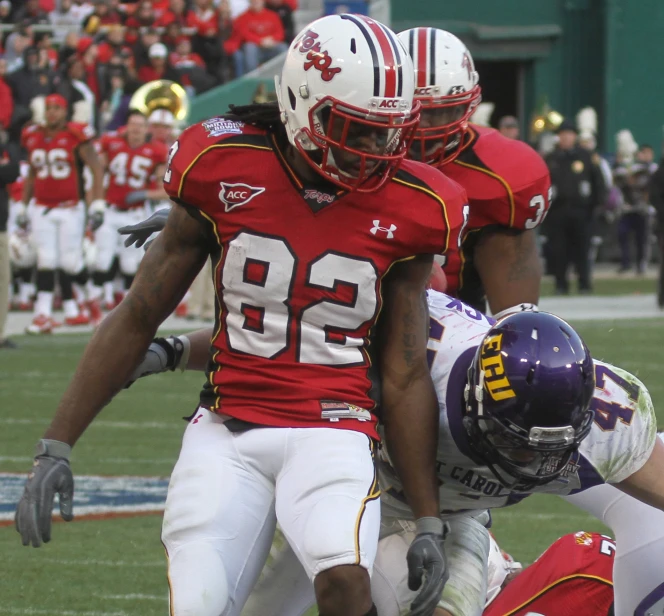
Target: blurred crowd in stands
98	53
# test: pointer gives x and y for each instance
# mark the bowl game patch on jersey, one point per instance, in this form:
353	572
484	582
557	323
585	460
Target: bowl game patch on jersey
94	496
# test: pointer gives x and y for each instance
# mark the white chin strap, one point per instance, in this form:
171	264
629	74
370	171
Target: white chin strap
525	307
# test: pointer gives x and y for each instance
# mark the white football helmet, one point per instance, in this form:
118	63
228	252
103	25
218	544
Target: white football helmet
501	564
446	84
22	250
346	98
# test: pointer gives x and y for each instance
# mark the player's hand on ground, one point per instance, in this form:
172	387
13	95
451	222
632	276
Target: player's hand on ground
140	232
50	475
163	354
427	566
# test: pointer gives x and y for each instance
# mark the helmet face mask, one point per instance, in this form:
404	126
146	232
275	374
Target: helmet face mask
346	100
527	399
443	125
354	150
447	87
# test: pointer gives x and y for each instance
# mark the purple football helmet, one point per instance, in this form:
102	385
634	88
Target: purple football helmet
529	388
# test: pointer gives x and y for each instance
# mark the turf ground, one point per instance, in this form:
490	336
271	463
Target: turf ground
116	567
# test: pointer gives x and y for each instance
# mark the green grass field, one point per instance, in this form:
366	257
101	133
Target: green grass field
117	567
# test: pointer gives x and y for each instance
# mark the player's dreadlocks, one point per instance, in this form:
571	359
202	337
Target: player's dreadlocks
261	115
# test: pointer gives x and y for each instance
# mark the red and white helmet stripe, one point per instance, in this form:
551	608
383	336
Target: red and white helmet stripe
385	54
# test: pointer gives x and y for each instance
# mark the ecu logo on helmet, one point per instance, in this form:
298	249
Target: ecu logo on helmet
491	363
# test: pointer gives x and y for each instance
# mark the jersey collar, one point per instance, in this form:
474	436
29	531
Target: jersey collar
317	195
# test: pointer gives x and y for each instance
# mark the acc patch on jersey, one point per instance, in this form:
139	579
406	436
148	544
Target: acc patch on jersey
234	195
94	496
221	126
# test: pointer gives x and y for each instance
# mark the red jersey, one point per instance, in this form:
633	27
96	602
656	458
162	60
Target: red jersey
298	273
508	186
574	577
58	167
129	169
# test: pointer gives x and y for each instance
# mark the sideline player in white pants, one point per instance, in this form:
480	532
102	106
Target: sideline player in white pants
57	153
131	161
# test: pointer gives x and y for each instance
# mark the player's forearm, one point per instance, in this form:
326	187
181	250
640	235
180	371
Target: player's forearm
510	269
28	189
199	354
156	194
97	190
102	372
411	433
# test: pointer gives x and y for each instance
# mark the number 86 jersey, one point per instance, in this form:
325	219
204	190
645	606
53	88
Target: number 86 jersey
298	272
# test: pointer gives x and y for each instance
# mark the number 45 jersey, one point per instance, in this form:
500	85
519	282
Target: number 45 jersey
129	169
620	441
298	272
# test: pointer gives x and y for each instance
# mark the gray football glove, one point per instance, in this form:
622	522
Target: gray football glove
136	196
426	558
163	354
50	475
140	232
95	220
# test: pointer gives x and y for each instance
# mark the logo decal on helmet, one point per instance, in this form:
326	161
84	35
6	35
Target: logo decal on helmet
491	363
235	195
317	58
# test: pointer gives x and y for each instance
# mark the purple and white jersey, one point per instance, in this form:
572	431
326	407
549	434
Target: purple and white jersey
621	439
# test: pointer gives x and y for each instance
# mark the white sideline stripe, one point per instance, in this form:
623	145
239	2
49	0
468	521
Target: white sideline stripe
133	597
29	611
91	562
132	425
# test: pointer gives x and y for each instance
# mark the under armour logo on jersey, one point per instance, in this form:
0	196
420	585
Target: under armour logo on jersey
378	229
235	195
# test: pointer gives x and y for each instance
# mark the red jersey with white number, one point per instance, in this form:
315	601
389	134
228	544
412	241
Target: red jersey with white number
574	577
129	169
298	272
55	159
508	186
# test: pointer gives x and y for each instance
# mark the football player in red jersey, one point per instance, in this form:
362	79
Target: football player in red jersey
506	180
301	206
131	160
573	577
57	153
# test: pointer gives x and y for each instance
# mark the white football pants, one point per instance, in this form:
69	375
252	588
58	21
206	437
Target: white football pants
111	244
228	490
58	234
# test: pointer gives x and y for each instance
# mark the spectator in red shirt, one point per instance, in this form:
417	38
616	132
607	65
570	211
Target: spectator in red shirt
258	36
114	43
159	68
143	17
176	13
32	12
44	43
285	12
204	18
187	64
106	14
88	52
6	100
